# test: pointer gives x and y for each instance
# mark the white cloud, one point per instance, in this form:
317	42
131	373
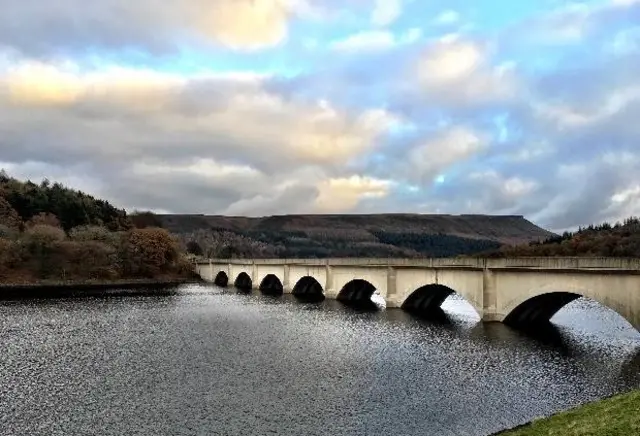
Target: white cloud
448	61
386	12
368	40
447	17
455	71
375	40
449	147
344	194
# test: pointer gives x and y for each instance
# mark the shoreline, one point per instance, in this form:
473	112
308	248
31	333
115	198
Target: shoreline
91	288
609	415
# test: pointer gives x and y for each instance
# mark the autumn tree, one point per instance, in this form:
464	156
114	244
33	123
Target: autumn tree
7	256
89	259
148	252
8	215
96	234
41	242
43	218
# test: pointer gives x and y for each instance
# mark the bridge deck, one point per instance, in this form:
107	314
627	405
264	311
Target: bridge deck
560	263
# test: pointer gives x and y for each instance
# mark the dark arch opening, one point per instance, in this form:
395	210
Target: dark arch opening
271	285
427	301
222	279
308	289
243	282
537	311
357	293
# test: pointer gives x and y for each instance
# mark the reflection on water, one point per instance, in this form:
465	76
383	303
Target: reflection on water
208	361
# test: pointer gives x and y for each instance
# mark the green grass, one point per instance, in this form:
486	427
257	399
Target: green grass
614	416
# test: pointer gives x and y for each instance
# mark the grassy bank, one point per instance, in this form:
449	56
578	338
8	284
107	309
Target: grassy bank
614	416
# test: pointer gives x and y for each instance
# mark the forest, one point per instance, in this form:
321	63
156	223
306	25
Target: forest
224	243
52	233
621	239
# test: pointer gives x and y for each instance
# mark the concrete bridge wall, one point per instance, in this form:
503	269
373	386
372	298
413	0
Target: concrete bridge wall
519	291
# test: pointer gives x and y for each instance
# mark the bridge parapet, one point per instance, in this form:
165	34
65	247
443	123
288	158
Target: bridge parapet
551	263
564	263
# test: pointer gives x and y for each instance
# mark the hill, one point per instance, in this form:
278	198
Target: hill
604	240
379	235
52	234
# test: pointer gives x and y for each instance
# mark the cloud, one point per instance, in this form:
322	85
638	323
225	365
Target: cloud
375	40
451	146
157	25
457	71
386	12
572	23
339	194
229	115
227	138
447	17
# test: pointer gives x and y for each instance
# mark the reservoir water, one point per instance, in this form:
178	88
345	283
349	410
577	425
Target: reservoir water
207	361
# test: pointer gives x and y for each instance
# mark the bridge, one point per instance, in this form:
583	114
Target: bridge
521	292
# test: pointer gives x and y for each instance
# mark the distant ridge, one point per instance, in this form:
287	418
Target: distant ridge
390	234
506	229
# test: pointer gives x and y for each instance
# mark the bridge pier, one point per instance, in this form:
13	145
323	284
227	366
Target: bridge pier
489	297
391	299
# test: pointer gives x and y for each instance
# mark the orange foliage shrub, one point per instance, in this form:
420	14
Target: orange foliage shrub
149	251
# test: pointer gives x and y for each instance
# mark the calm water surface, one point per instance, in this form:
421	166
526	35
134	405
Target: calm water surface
212	362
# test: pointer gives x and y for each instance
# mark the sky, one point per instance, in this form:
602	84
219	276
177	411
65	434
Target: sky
260	107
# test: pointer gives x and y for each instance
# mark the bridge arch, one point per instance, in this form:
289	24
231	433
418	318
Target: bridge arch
222	279
243	282
308	288
534	309
427	300
271	285
357	292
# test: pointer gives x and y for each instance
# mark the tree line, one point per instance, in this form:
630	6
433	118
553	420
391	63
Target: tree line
49	232
621	239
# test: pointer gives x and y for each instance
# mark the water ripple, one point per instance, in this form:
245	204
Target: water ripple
214	362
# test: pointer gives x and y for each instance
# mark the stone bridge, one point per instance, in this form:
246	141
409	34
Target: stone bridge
518	291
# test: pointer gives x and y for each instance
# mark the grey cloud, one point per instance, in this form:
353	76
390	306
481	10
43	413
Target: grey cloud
292	199
66	27
182	193
45	28
569	25
209	145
